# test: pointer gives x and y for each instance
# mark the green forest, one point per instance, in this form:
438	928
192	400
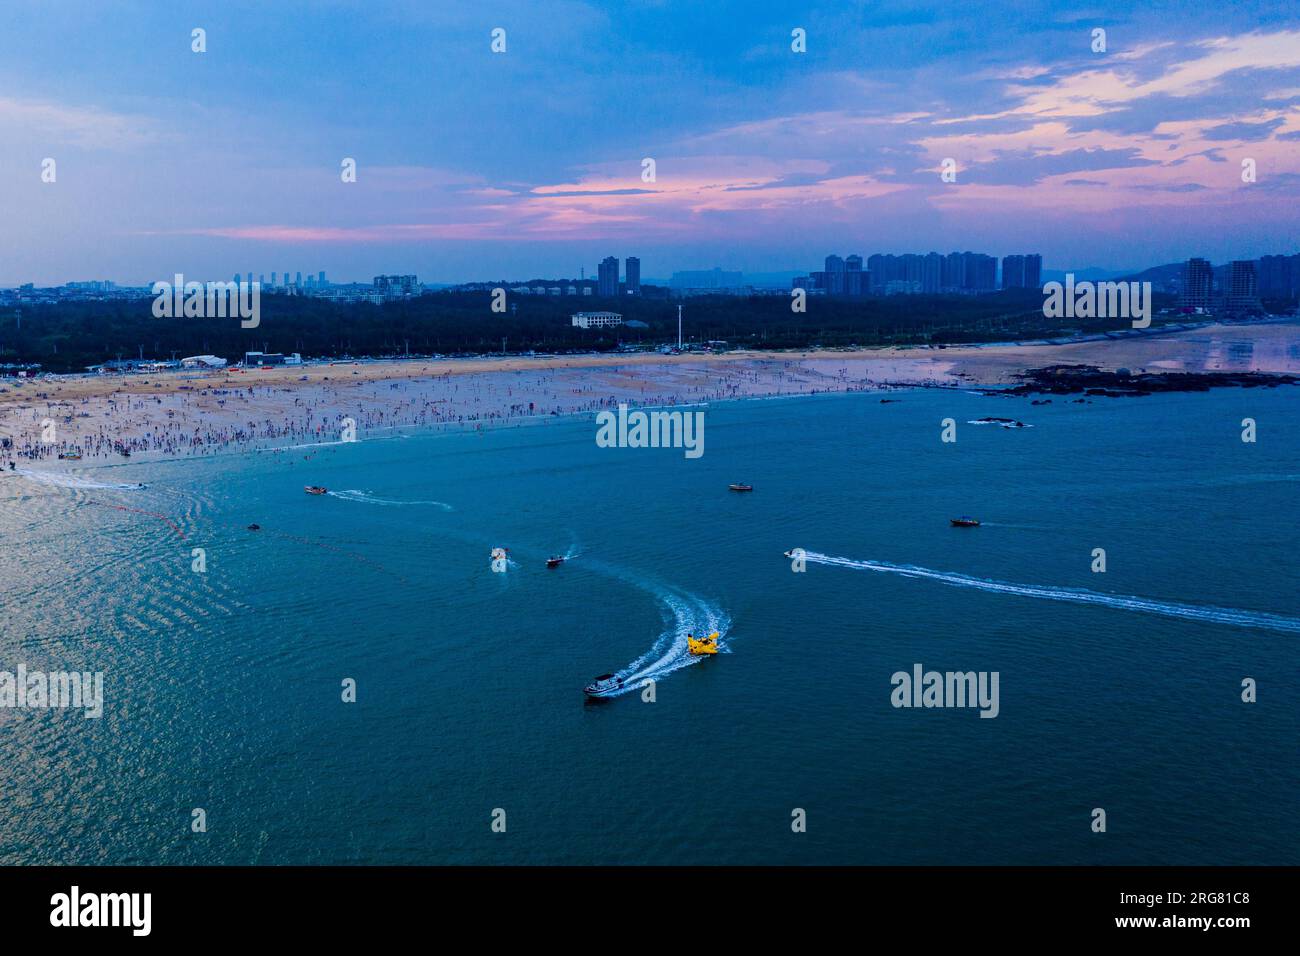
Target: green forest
71	335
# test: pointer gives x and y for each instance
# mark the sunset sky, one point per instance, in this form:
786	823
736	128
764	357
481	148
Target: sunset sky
473	165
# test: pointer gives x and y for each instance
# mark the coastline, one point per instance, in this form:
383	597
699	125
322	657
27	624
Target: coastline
183	413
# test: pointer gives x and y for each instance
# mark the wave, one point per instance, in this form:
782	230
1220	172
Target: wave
365	497
1190	612
63	479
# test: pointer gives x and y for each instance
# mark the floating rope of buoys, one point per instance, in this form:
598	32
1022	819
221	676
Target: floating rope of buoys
152	514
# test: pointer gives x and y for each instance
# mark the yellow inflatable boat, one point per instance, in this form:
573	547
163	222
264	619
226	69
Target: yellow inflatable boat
703	645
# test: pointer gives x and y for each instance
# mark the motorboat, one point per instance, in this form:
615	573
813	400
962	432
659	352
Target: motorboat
70	456
554	562
740	486
703	645
604	686
315	490
965	521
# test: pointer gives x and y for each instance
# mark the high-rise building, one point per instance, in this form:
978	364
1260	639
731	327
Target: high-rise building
1013	272
931	273
912	268
854	280
1033	271
632	268
1022	272
834	275
607	277
1198	284
1279	277
954	272
397	286
981	272
1242	294
320	281
878	268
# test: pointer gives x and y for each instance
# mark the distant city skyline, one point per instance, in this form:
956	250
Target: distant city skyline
470	163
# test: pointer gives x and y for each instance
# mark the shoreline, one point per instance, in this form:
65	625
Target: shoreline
180	414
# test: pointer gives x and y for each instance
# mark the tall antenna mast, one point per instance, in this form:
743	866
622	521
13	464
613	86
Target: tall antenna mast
679	328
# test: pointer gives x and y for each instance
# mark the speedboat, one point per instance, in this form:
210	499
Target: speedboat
965	521
315	490
603	686
554	562
739	486
703	645
254	527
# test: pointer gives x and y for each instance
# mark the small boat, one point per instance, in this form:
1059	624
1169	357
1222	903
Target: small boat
603	686
70	456
315	490
703	645
254	527
965	521
554	562
739	486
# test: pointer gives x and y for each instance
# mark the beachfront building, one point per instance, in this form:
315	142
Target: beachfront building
596	320
203	361
1198	285
1242	294
260	359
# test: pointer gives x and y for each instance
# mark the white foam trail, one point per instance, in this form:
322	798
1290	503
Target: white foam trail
355	494
686	614
1190	612
62	479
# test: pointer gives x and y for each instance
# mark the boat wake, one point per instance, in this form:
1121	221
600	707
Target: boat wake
1190	612
63	479
684	613
353	494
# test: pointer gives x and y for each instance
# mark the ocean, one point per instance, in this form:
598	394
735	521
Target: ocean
1119	690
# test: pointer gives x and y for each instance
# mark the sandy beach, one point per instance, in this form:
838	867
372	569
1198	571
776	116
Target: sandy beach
196	413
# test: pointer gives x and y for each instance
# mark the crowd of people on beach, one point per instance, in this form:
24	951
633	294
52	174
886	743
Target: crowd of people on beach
211	420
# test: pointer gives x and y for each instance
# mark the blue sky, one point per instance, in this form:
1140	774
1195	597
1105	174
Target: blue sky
475	165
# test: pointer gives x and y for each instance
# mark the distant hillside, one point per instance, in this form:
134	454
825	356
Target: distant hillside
1170	276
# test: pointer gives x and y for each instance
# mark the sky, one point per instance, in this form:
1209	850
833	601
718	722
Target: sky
476	165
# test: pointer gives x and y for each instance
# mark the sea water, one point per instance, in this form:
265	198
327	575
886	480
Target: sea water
225	652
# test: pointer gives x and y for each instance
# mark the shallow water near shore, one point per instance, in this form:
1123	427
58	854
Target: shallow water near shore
222	688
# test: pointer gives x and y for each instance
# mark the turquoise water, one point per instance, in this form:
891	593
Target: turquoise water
223	688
